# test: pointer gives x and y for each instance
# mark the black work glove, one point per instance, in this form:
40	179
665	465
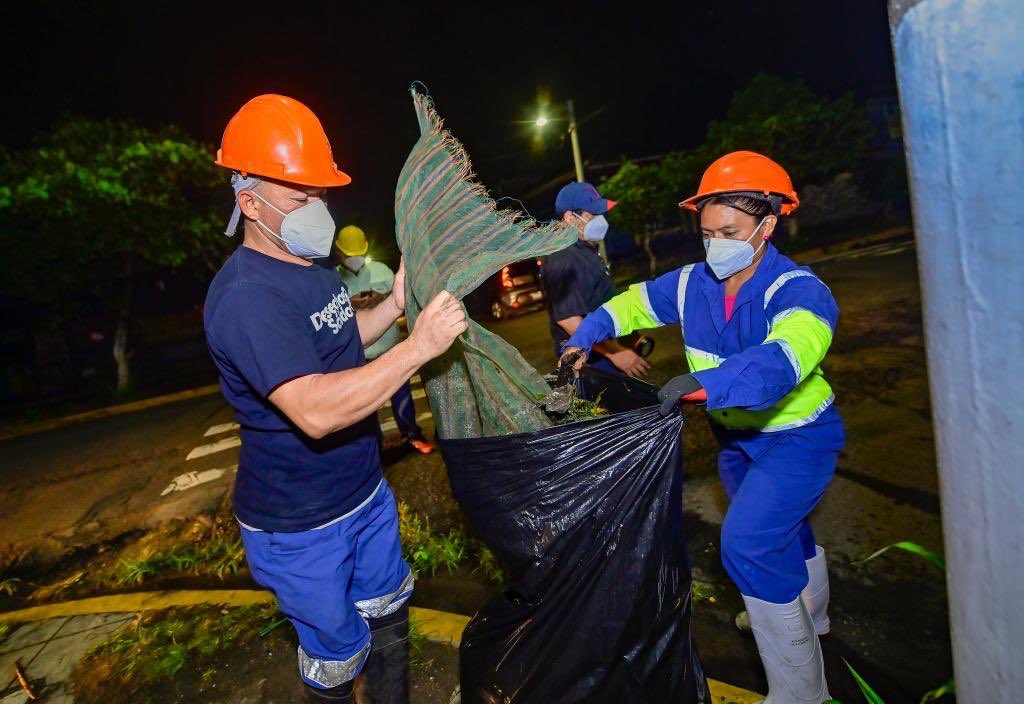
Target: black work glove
675	389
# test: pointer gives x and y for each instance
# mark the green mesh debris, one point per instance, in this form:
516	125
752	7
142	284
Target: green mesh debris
453	238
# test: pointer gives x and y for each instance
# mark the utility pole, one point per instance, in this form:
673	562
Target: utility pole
577	158
959	67
574	136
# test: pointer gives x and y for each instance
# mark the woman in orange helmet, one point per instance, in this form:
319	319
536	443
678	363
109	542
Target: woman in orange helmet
755	328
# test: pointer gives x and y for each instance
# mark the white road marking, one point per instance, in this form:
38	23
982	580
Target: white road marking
874	250
219	446
419	393
192	479
390	425
898	250
218	429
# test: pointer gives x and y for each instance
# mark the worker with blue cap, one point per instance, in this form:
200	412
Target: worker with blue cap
577	280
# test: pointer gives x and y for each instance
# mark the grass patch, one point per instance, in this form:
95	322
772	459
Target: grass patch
203	546
155	647
427	550
219	557
702	591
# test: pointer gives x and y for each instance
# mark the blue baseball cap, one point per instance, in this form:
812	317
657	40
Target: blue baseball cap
581	196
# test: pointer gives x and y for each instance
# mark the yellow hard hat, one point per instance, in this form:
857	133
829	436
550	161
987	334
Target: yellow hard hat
351	241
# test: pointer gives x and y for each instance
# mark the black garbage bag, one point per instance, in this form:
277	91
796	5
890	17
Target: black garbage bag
587	518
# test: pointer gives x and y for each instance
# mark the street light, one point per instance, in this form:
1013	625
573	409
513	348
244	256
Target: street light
573	136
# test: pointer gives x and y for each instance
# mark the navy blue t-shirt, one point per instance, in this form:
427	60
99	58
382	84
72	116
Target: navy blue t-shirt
577	283
267	322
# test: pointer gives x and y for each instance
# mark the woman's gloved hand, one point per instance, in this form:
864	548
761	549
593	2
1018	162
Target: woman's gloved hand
677	389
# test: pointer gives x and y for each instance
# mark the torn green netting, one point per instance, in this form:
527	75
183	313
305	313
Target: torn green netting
453	238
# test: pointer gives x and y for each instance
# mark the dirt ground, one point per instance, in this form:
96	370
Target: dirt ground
264	671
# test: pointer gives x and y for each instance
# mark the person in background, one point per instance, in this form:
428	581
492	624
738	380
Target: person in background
756	328
369	283
577	280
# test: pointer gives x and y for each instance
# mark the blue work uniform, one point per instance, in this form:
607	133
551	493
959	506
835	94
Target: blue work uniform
319	523
771	408
577	282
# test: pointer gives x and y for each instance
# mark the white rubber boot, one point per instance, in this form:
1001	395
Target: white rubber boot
790	652
815	594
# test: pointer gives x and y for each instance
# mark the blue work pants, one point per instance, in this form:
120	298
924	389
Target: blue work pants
329	581
404	409
766	535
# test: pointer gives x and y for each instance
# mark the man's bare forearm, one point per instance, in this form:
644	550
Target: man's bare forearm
321	404
374	322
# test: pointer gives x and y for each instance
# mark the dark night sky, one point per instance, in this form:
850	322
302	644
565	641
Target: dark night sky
654	73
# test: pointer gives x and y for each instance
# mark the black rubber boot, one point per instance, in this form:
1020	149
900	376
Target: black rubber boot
386	673
342	694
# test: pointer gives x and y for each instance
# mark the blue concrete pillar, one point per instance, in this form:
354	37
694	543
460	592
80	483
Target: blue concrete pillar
960	68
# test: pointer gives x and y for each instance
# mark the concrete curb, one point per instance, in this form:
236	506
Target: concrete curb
54	423
437	626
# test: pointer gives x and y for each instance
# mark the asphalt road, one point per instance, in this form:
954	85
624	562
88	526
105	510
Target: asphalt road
77	484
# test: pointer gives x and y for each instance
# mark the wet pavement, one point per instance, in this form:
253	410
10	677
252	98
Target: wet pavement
78	484
48	651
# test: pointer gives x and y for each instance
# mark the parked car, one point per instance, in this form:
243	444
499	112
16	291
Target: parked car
513	291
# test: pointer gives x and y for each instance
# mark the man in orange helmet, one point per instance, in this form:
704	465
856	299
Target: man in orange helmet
756	328
319	523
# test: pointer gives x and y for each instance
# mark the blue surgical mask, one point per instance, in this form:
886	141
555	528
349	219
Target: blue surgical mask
307	231
727	257
595	229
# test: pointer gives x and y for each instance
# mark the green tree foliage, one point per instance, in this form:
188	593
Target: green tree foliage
648	195
94	205
813	136
643	194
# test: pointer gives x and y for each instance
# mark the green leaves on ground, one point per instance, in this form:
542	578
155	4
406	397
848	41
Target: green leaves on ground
159	644
218	557
205	546
935	559
869	694
939	692
426	550
939	563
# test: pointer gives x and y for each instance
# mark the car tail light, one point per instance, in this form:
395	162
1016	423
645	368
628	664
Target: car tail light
506	278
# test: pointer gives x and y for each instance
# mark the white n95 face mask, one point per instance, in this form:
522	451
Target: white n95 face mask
354	264
596	229
727	257
307	231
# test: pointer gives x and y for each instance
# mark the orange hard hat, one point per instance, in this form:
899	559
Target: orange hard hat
279	137
746	172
